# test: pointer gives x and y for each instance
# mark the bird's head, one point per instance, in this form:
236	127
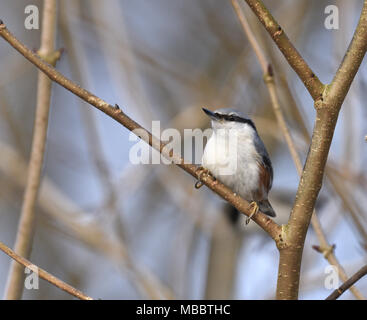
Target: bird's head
227	118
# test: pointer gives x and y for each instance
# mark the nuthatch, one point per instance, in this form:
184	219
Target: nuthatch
245	167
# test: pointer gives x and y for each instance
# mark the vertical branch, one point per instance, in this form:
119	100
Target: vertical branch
24	238
327	109
288	278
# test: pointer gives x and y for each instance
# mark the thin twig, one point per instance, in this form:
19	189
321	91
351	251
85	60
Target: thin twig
347	284
332	174
270	83
43	274
77	56
295	60
267	224
24	238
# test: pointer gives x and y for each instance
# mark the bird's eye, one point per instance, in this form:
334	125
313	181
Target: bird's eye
231	118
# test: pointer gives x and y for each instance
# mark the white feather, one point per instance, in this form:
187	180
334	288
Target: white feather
242	165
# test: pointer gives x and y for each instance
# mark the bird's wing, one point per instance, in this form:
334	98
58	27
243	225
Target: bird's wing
266	169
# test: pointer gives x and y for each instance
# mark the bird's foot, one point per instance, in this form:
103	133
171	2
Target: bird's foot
202	171
255	209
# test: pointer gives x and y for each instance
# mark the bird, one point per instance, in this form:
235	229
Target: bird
236	156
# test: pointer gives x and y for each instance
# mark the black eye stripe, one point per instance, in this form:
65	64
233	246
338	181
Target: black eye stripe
236	118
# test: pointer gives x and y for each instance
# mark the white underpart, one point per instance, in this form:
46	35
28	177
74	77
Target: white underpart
235	167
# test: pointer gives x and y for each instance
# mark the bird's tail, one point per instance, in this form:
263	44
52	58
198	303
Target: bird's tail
265	207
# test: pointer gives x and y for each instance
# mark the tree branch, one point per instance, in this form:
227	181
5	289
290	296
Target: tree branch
327	109
24	238
295	60
267	224
270	83
44	274
348	284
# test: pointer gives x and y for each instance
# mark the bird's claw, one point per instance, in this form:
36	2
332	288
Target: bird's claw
255	209
202	170
198	184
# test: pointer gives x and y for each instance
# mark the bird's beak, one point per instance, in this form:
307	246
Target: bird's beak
211	114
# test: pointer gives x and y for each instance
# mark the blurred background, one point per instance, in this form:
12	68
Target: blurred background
121	231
